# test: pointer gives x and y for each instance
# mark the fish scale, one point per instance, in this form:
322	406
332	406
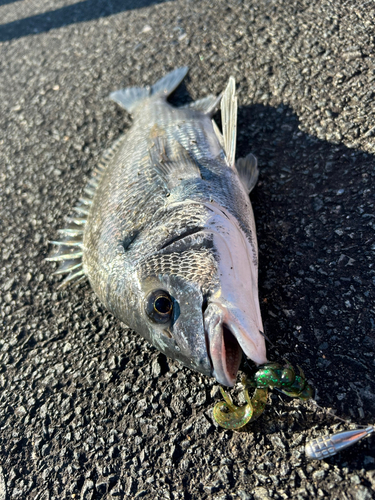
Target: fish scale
166	234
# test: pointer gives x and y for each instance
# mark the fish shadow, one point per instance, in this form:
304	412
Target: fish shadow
313	209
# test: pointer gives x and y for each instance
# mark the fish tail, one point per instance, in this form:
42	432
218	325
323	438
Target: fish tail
130	98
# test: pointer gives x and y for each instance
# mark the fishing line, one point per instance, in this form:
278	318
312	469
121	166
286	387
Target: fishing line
346	421
265	336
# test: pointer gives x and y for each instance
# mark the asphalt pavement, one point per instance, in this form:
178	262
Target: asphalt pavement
87	408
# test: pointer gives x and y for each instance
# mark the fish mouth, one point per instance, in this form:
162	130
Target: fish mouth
227	341
225	355
231	356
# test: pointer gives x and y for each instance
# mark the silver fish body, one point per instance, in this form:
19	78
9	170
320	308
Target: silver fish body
167	235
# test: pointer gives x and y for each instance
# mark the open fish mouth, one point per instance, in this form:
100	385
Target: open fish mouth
227	340
231	355
225	355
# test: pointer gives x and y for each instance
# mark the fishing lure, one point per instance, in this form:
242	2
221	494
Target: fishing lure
327	446
283	378
230	416
268	376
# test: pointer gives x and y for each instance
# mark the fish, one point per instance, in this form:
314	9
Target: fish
165	231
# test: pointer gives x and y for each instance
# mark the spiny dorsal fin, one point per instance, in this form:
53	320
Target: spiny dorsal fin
68	250
172	161
248	172
229	120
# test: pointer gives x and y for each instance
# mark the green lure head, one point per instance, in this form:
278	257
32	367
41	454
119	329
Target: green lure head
269	375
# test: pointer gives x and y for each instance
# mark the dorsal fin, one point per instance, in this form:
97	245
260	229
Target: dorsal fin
229	120
68	249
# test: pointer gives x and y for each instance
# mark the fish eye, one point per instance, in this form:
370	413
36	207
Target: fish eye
159	306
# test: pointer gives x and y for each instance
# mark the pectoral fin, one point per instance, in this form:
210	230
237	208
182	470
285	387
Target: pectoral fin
172	161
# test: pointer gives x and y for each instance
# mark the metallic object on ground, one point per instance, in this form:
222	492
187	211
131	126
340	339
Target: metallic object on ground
327	446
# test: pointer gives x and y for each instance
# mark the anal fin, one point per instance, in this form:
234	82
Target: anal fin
229	120
218	134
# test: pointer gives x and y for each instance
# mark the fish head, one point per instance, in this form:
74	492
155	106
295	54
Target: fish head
200	305
170	316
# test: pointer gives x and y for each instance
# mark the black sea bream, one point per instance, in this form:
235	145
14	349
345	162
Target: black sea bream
166	233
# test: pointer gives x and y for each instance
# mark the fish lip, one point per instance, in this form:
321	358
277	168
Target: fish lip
227	342
223	349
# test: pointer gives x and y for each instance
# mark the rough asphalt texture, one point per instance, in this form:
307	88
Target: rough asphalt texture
88	409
